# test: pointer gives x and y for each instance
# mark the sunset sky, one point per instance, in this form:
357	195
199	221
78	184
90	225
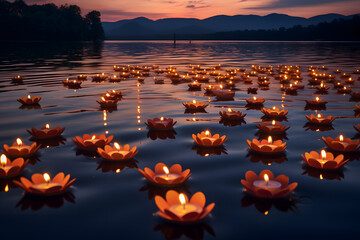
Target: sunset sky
113	10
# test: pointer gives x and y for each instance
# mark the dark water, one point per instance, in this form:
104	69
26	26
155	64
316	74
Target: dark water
121	205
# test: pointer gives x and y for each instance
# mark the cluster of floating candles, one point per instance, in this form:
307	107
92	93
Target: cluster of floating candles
176	206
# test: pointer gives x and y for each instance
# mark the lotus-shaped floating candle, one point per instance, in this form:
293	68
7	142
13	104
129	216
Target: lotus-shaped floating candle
266	185
92	143
341	145
207	140
100	77
195	86
316	102
17	78
115	93
10	168
272	128
254	101
166	176
177	207
350	80
324	160
46	132
320	119
115	78
18	149
322	87
72	83
231	115
291	90
267	146
117	152
223	94
274	112
108	103
42	184
344	90
252	90
29	100
160	123
81	77
263	83
195	106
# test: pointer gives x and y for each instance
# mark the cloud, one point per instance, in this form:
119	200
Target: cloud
195	4
295	3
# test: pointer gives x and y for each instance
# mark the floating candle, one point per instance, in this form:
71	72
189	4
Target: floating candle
206	139
160	123
46	132
91	143
18	149
178	208
325	160
267	146
117	152
342	145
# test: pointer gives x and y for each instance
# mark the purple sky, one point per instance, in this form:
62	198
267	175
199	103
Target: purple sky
113	10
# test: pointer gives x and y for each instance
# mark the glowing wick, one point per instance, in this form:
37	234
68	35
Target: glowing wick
207	133
47	126
117	146
3	160
162	119
229	110
341	137
270	140
266	178
273	122
18	141
29	96
194	101
323	154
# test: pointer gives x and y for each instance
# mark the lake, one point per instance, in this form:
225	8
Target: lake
104	203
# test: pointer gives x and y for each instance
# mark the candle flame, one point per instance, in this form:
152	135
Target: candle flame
166	170
274	108
321	176
46	177
273	122
194	101
317	99
270	140
341	137
182	198
266	178
93	137
108	95
29	96
3	159
6	188
229	110
117	170
116	145
162	119
207	132
18	141
254	98
323	154
47	126
103	99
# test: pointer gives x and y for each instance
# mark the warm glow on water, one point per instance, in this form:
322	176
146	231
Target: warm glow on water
106	195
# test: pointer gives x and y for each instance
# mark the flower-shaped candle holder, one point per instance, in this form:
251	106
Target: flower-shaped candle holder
81	77
320	119
17	78
177	207
324	160
274	112
231	115
207	140
42	184
223	94
340	144
254	101
344	90
10	168
46	132
195	106
252	90
117	152
29	100
272	128
267	146
161	123
92	143
195	86
263	83
72	83
99	77
114	78
166	176
322	88
108	103
316	102
18	149
266	185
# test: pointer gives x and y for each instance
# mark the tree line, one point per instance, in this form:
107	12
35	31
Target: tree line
19	21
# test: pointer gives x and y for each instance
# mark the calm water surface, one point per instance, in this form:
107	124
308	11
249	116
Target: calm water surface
103	203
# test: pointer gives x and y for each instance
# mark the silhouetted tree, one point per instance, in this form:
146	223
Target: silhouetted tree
19	21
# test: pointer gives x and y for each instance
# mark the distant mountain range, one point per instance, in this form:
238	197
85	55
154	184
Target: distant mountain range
142	26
